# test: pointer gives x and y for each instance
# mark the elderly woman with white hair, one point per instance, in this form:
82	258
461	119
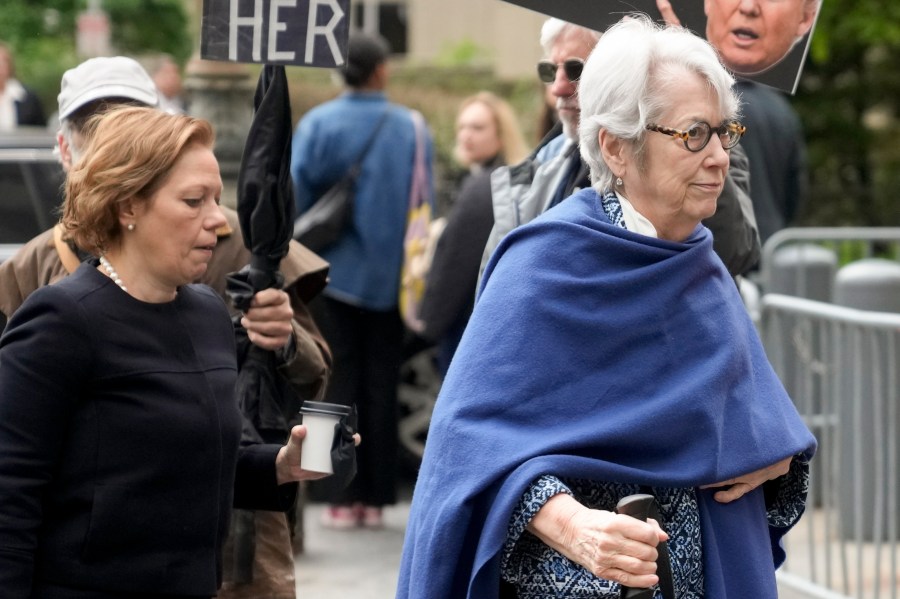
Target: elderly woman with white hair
609	354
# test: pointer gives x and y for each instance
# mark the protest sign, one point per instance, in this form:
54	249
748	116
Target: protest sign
280	32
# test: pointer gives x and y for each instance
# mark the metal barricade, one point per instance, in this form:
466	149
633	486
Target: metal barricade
841	366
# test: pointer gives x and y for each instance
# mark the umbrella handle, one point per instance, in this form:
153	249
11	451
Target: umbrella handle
642	506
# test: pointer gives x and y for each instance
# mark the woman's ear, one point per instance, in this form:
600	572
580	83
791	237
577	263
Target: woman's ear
614	151
127	212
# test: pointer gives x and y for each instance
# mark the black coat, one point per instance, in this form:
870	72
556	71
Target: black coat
30	111
120	432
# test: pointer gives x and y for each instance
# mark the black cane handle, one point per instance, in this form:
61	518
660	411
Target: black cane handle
643	506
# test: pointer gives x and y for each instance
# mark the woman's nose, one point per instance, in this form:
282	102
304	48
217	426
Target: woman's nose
215	217
719	157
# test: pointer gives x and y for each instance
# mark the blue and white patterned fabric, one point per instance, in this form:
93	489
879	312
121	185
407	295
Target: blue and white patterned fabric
613	209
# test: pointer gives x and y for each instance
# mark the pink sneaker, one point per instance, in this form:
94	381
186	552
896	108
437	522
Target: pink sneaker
340	517
372	517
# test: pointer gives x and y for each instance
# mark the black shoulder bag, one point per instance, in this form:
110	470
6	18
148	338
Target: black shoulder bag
326	219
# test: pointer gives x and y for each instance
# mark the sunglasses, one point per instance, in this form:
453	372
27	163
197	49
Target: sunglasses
572	67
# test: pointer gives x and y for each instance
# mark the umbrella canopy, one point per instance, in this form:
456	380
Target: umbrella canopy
265	198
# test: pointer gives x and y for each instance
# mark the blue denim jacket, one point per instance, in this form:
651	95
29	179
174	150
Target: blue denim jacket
366	261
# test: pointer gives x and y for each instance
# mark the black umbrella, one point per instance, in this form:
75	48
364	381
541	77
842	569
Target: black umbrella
265	206
265	198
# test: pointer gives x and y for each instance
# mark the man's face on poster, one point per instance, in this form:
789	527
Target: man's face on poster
754	35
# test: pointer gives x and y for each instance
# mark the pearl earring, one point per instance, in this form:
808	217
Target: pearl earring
618	181
131	226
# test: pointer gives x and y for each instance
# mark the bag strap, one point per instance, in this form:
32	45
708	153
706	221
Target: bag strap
419	184
358	162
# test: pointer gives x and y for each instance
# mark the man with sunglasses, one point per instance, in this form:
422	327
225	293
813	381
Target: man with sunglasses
555	169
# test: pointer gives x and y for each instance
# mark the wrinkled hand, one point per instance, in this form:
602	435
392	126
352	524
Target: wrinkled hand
741	485
287	462
268	320
616	547
667	12
611	546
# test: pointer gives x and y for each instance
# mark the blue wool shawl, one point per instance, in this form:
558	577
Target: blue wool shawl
598	353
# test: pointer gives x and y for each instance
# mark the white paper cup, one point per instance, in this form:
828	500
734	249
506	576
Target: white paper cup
319	418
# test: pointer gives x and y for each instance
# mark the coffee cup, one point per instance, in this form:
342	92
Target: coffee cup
320	419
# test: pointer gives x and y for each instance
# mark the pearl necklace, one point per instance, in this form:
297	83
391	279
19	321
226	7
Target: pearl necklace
112	273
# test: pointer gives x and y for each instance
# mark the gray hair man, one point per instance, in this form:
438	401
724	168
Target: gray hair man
92	87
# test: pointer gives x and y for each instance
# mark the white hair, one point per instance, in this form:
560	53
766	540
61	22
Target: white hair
554	28
66	129
627	78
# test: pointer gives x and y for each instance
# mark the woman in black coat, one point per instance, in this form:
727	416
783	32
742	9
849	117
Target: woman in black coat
119	429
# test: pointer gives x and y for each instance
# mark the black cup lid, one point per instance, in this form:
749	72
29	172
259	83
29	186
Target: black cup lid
323	407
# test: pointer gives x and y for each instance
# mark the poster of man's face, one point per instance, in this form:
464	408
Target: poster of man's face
760	40
755	35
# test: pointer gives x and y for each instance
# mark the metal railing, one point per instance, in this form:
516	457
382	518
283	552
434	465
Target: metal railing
840	366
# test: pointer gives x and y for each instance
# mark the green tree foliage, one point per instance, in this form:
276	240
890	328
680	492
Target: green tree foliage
848	100
150	25
42	34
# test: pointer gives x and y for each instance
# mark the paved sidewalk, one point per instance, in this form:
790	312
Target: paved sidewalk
357	563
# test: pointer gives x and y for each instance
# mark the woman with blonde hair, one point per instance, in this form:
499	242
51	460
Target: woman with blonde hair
487	136
487	132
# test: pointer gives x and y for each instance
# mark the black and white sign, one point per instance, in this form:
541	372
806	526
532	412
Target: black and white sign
285	32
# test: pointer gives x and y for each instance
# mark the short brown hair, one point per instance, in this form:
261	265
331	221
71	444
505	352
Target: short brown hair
129	154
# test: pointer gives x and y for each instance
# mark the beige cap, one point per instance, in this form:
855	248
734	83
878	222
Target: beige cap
105	77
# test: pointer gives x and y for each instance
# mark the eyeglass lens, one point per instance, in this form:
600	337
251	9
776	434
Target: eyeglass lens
571	67
700	133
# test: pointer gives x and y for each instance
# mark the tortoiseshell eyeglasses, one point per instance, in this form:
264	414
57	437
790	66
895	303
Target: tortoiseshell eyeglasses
698	135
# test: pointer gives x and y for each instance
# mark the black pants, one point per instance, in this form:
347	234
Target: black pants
366	346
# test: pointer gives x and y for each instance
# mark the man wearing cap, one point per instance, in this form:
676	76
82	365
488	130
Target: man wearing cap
358	310
278	320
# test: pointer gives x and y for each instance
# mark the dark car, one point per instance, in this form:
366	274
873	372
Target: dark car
31	181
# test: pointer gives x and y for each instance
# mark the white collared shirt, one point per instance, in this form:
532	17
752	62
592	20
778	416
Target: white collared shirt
634	220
